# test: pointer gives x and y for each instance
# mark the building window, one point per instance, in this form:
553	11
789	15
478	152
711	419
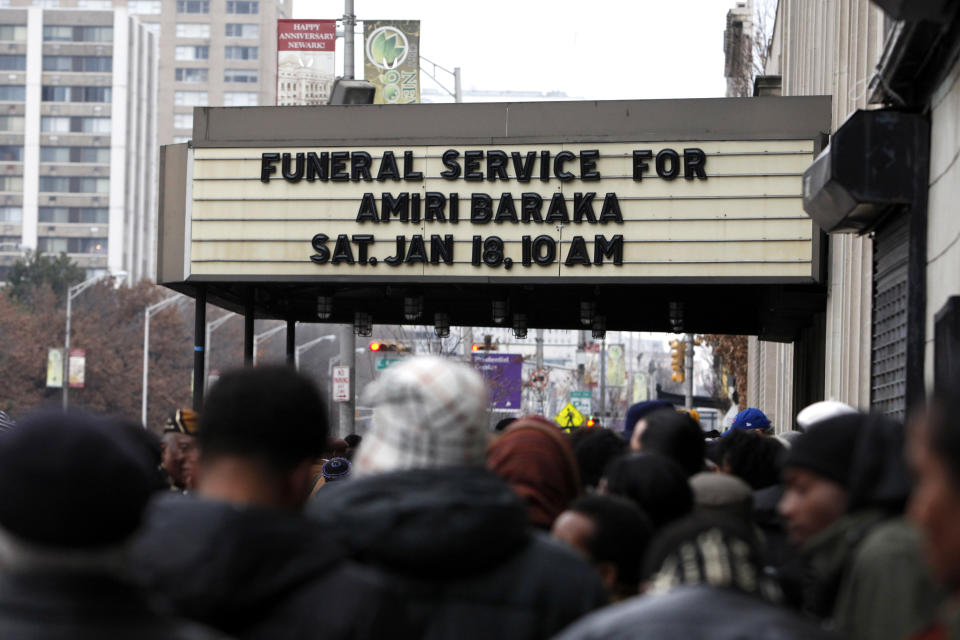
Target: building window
241	75
86	215
13	62
193	30
97	155
95	4
11	153
240	98
46	4
193	6
181	139
11	183
192	53
13	32
248	7
59	33
75	94
11	214
74	184
243	30
74	124
186	74
145	7
241	53
183	121
13	92
12	124
72	245
190	98
101	64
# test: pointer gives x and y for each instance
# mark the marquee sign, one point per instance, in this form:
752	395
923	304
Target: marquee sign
633	210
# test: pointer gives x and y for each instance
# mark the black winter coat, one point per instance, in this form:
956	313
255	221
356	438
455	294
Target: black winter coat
457	544
258	573
696	613
84	607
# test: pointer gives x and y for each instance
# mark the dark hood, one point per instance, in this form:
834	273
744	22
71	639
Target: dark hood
428	522
879	474
228	565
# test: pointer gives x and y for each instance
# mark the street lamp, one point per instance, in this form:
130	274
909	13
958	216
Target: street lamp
72	293
212	326
307	345
147	313
260	337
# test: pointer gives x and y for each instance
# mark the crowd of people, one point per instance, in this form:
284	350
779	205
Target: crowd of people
250	520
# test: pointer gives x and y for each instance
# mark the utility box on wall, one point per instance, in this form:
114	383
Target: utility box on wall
868	167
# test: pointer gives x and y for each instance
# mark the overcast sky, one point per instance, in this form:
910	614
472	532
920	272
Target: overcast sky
595	49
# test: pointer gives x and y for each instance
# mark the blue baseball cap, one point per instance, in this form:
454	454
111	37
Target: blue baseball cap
749	419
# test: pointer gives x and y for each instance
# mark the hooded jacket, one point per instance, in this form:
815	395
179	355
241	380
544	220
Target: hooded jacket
456	542
258	573
695	613
866	573
73	606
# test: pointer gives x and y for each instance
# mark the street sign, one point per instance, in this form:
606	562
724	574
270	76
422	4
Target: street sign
341	384
569	417
539	379
386	363
583	401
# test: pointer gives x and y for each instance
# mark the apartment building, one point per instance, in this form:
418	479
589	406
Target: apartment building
212	52
92	87
78	153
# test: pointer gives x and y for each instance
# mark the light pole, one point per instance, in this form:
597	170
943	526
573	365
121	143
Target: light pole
307	345
212	326
147	313
457	92
260	337
72	293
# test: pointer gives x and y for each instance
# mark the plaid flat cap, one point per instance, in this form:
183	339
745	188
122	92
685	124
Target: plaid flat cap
6	422
428	412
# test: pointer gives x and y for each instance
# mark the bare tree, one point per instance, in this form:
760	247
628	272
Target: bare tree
764	21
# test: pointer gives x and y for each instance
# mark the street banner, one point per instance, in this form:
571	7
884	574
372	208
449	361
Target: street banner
305	61
392	60
77	368
639	387
341	384
55	368
616	366
503	373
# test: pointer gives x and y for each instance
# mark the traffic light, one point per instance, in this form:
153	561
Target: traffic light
398	347
487	345
591	422
678	356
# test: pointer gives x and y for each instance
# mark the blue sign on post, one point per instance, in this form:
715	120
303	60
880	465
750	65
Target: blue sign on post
503	373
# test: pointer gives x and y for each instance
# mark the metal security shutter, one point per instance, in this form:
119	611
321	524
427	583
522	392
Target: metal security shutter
888	374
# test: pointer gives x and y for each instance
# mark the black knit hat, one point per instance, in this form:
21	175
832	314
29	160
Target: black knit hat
827	448
69	483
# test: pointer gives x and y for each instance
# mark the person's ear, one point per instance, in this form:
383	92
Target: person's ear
298	484
608	575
